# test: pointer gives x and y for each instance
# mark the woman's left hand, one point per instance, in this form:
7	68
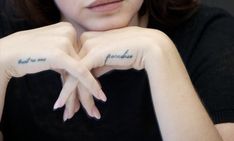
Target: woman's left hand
172	91
123	48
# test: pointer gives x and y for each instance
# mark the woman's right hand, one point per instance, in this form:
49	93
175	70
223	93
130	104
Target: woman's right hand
47	48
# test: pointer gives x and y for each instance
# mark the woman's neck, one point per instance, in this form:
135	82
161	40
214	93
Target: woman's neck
139	21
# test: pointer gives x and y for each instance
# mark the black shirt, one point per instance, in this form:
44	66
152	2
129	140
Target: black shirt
206	45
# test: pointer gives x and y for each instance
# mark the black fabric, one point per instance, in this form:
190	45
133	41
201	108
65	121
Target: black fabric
225	4
206	45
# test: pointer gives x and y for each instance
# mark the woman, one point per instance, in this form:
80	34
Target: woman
185	49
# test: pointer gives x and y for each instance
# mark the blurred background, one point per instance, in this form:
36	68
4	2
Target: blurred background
225	4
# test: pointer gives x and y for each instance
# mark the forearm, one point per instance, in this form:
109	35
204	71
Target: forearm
180	114
3	82
2	99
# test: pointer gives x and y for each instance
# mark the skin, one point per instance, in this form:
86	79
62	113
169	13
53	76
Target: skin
86	46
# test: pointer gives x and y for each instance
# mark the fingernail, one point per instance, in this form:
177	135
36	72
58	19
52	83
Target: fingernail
64	119
69	116
96	113
102	96
65	116
56	105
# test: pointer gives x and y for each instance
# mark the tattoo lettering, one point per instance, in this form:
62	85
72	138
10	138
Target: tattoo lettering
31	60
117	56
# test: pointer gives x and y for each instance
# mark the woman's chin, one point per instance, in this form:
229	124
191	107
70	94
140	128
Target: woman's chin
106	26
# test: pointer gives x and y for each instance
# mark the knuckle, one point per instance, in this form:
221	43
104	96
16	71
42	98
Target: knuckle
87	45
65	42
94	53
84	36
68	29
133	27
65	24
83	72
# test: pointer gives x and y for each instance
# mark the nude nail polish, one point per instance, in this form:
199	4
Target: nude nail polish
96	113
102	96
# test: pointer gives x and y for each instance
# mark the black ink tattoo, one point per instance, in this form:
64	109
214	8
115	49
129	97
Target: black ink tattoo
114	56
31	60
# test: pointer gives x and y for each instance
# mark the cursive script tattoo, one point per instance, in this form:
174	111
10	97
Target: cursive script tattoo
31	60
125	55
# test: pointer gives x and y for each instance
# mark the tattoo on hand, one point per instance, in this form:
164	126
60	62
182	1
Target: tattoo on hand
31	60
125	55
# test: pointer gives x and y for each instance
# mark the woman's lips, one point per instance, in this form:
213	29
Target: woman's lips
104	5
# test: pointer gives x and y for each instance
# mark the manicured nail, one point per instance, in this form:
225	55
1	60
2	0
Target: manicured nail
96	113
57	105
69	116
102	96
65	116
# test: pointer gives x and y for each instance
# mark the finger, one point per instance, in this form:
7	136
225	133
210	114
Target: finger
81	72
72	106
68	87
63	75
78	100
118	58
97	72
87	102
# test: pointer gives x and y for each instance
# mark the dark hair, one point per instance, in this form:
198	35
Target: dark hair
45	12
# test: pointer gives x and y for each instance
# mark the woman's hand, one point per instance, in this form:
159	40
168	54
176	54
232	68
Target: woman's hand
124	48
173	95
116	49
47	48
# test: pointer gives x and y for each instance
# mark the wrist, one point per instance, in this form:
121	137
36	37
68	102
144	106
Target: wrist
159	50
